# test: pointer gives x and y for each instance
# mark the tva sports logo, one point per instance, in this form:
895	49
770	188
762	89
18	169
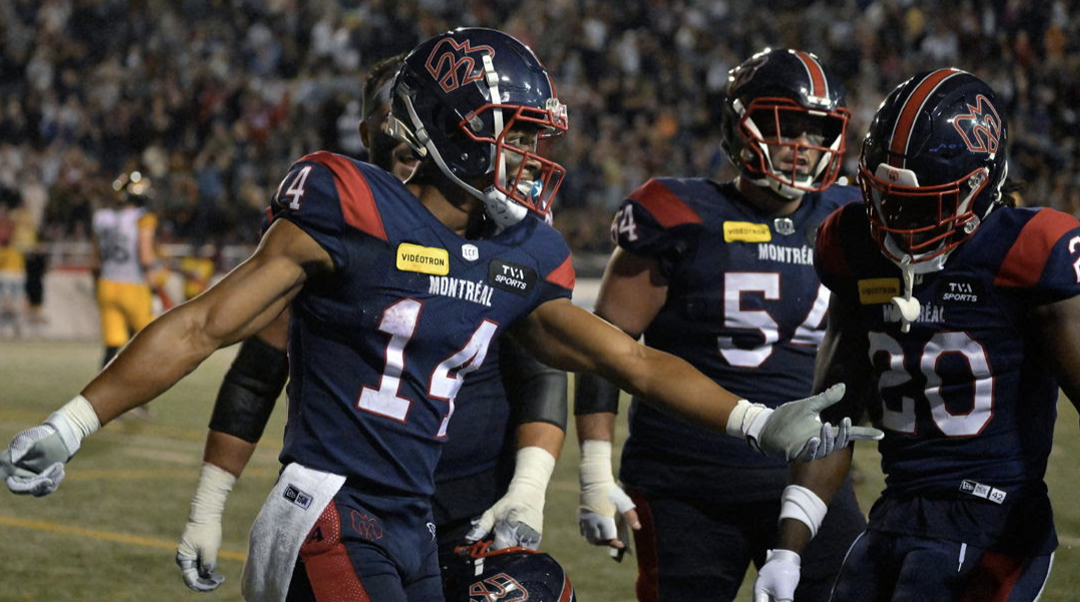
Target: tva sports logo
980	126
454	64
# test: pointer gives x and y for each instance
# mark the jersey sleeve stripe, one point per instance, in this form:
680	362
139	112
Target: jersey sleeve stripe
664	205
1023	265
564	275
829	250
357	203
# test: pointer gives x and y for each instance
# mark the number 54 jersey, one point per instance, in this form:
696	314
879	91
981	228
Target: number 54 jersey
378	349
968	398
744	306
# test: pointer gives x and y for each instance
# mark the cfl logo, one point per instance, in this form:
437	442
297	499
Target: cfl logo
453	64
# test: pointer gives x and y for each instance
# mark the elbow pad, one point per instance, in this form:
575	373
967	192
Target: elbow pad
536	391
250	390
595	395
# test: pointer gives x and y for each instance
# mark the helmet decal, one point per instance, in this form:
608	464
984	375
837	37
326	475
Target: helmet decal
901	137
747	70
497	588
980	127
454	64
819	85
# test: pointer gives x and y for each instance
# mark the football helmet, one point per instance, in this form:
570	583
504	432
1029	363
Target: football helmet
476	101
132	187
785	99
932	165
479	574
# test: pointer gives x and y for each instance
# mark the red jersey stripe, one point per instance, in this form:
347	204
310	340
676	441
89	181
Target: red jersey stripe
828	249
664	205
564	275
1024	264
357	202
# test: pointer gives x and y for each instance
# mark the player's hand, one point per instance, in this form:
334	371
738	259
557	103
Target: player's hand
777	579
34	462
602	500
197	552
793	431
517	519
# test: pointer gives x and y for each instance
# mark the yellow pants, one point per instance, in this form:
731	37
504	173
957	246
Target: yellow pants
125	309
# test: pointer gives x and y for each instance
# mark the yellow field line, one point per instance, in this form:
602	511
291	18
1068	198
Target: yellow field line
135	540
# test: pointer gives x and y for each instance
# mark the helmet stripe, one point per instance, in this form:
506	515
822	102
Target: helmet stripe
816	74
901	135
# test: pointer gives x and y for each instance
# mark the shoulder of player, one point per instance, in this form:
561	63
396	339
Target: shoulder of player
846	227
1031	234
550	251
349	184
677	201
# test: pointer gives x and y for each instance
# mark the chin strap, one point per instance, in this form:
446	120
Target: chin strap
907	306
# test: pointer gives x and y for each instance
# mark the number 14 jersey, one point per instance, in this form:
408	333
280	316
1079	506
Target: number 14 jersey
378	349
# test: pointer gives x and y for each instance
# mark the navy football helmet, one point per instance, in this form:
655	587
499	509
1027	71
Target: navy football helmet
785	98
932	165
456	99
507	575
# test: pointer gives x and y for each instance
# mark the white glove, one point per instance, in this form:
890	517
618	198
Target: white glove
198	548
34	462
793	431
518	518
601	498
778	578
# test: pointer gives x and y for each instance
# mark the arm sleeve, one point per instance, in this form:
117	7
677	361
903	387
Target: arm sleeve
537	392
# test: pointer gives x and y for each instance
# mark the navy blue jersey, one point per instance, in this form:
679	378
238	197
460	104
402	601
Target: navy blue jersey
969	401
743	306
378	349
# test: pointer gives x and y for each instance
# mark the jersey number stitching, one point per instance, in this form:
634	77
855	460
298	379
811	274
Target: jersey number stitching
399	321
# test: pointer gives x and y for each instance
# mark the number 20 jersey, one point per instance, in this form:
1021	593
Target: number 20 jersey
744	306
969	401
378	349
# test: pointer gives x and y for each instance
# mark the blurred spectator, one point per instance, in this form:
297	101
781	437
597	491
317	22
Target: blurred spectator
214	97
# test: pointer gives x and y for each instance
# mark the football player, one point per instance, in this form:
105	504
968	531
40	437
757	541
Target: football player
395	293
964	312
487	435
124	250
721	275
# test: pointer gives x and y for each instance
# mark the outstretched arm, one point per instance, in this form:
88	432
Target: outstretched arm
571	338
165	351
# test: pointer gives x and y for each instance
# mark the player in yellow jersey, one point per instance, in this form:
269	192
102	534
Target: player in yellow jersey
125	256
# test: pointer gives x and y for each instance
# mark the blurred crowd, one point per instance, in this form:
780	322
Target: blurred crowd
214	98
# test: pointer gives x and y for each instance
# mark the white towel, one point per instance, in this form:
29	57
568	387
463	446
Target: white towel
290	512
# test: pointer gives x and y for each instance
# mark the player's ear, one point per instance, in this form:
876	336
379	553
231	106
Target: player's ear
365	134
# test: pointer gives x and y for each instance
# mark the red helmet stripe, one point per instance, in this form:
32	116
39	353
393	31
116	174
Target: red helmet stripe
816	73
901	135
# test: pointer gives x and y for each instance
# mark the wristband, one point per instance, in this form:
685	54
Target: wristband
532	469
209	502
75	421
803	505
595	464
747	419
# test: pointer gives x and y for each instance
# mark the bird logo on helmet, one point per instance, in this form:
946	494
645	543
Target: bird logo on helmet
456	99
516	574
785	98
932	166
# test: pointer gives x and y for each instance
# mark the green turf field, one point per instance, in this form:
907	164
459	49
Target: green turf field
109	533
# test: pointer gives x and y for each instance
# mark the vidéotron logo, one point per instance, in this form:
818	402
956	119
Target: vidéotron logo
454	64
980	126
